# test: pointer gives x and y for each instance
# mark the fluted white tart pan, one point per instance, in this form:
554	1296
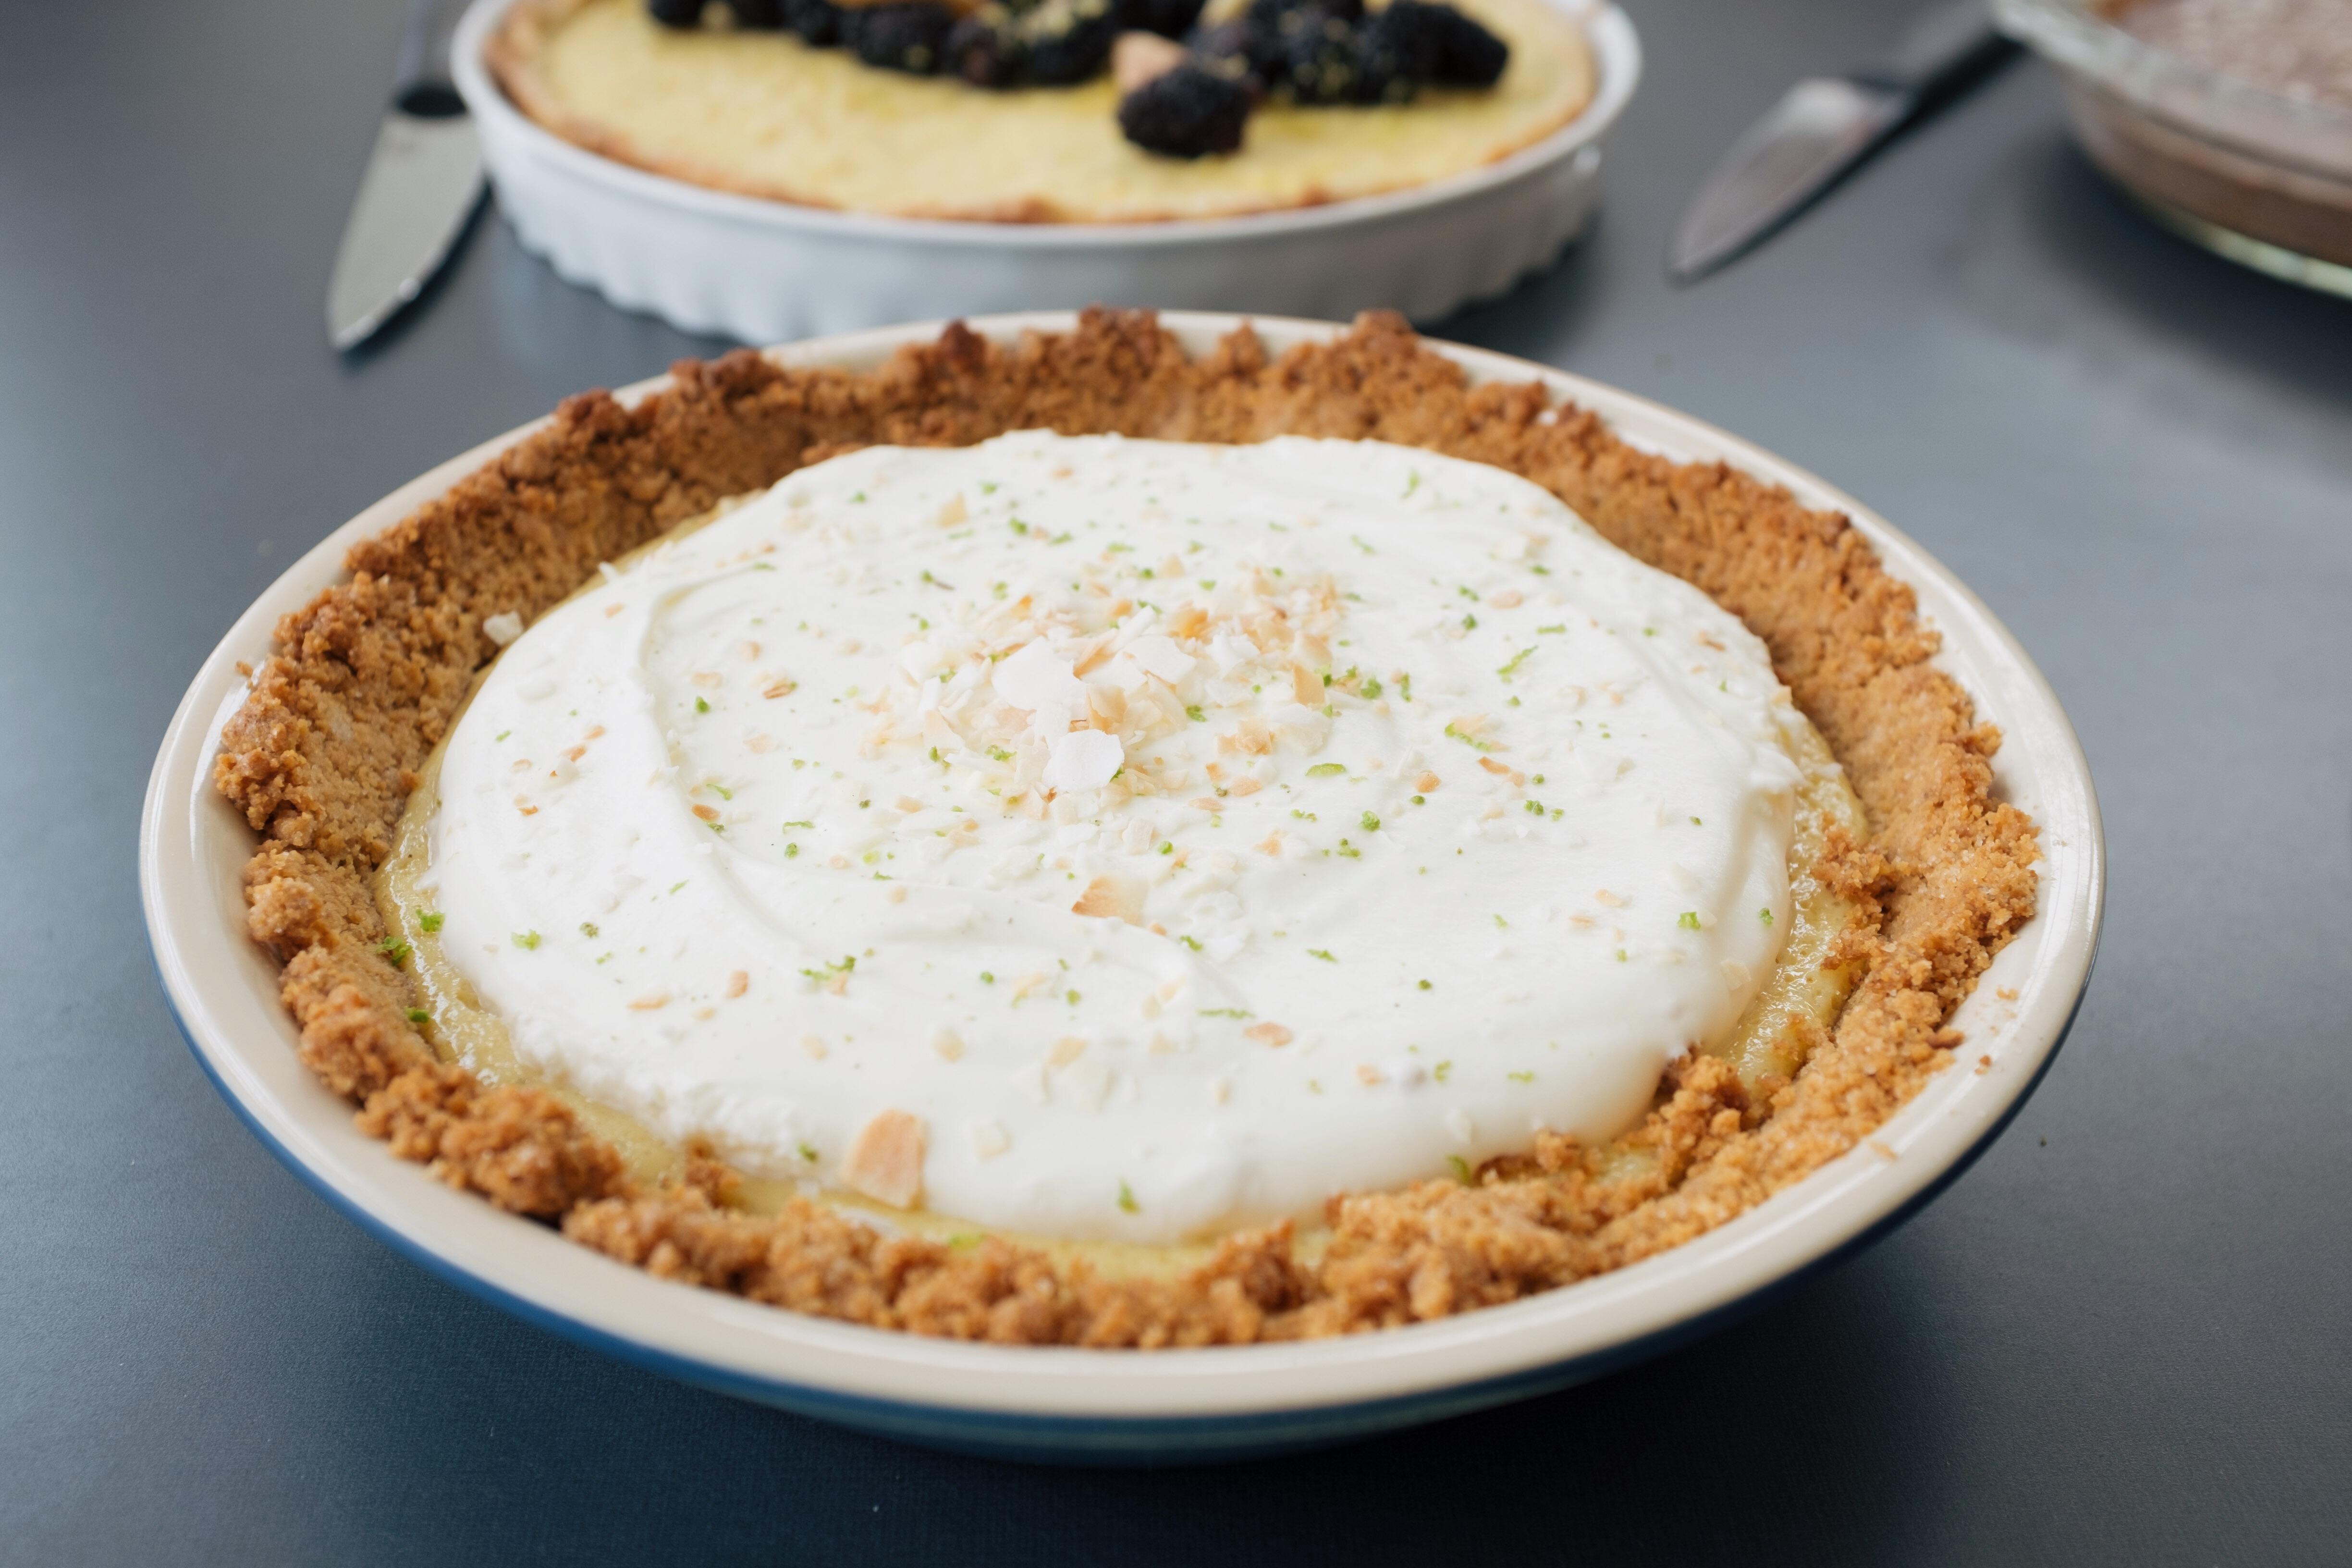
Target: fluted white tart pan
767	271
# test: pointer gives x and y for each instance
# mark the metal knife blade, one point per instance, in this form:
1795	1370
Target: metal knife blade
1822	127
1817	131
421	186
422	182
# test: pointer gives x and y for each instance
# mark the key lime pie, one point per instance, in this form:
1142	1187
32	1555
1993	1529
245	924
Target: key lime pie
1049	110
1060	843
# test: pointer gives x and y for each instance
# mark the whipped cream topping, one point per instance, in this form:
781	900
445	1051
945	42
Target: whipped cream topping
1119	839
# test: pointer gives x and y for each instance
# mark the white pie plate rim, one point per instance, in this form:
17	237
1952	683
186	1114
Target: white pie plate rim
224	991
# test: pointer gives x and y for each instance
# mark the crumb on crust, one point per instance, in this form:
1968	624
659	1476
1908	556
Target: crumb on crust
365	680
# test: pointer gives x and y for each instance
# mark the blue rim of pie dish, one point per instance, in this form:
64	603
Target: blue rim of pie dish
1129	1441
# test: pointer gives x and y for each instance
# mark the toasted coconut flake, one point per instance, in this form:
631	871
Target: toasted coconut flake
1427	782
649	1003
1269	1035
884	1160
949	1044
1083	759
1109	896
737	984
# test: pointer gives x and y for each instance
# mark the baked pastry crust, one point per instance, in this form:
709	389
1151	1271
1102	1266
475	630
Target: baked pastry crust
367	677
1004	177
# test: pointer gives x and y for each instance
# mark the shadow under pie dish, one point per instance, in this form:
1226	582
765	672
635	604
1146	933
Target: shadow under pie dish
1947	864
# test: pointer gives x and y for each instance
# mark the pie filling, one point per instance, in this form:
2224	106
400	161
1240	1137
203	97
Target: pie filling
1120	841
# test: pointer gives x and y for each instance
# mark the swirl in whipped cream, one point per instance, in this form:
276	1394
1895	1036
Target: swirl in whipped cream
1119	839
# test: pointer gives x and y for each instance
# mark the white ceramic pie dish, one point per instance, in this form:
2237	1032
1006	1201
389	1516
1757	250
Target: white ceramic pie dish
1126	1406
765	271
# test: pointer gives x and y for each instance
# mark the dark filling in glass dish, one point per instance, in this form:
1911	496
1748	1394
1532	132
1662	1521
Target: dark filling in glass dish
2299	49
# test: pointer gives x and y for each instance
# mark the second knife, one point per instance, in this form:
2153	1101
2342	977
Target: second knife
1822	128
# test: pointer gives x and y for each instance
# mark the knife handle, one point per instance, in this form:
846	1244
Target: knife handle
1950	44
421	79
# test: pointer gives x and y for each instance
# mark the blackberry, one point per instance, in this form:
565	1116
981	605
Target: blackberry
1385	73
1239	51
1438	43
676	12
818	22
907	37
1322	58
1068	41
1473	57
1278	15
986	50
1186	113
1169	18
759	15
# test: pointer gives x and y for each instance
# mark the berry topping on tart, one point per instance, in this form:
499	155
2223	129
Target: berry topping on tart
1314	53
1187	112
910	38
1016	111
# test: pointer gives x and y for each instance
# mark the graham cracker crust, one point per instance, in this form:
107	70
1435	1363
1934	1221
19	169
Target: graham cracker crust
365	680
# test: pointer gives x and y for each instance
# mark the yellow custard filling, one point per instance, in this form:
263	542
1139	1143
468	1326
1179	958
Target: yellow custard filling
763	113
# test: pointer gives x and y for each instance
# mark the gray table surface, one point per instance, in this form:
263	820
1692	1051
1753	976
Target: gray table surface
2121	1337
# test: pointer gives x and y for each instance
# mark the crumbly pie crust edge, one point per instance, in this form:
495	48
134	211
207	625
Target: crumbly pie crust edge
364	680
512	54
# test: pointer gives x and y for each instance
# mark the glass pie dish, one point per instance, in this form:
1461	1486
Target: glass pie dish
2259	176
